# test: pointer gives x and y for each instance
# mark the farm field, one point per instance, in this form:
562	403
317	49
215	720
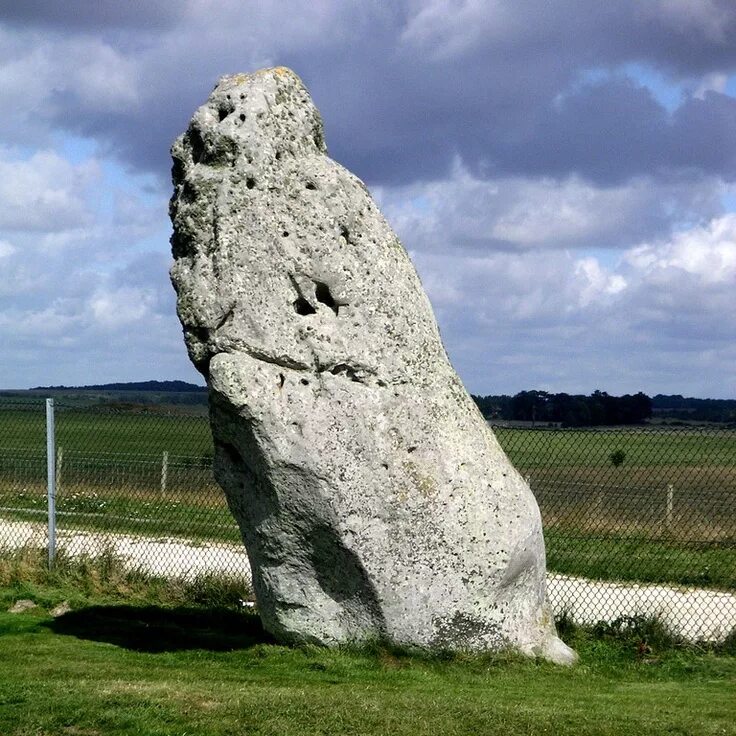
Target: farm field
103	432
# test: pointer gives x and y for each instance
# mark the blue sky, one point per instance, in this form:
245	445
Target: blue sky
562	173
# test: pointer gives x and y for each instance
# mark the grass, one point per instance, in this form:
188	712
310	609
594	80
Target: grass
529	449
143	656
94	432
605	557
193	515
24	574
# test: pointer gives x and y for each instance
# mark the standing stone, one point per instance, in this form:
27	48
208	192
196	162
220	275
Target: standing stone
373	500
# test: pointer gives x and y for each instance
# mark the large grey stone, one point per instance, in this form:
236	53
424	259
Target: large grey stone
373	500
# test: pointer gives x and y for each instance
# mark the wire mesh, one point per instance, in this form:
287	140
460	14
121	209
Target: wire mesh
138	480
651	510
636	520
22	472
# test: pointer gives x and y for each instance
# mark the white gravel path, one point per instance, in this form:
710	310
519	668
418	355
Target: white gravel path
694	613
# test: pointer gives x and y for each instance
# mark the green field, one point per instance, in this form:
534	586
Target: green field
644	448
666	514
95	432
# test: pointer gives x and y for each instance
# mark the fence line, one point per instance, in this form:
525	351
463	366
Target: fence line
637	506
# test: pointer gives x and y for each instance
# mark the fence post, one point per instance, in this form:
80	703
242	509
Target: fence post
164	471
668	510
51	478
59	466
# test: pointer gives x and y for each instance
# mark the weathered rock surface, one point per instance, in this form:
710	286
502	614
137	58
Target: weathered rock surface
373	500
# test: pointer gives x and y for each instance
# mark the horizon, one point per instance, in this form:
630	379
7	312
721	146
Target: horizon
93	387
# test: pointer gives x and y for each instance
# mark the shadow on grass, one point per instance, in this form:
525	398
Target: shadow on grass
154	629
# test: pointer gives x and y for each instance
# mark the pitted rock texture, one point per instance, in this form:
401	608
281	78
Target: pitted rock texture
372	498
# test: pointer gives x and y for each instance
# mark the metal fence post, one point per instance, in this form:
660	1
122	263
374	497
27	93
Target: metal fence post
669	508
164	472
51	477
59	466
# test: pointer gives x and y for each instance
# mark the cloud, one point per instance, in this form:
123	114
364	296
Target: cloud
405	88
44	192
706	253
661	319
465	212
92	14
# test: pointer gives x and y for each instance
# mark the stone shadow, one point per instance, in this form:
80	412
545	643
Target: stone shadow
155	629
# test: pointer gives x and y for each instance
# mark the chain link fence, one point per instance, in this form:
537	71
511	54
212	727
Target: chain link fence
636	520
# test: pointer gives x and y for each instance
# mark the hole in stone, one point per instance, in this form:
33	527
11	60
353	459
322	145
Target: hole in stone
197	145
188	192
304	382
242	117
311	185
222	113
344	232
303	307
323	294
182	245
250	182
278	155
282	380
285	234
411	449
344	369
178	171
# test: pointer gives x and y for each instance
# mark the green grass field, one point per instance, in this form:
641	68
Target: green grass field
676	448
137	656
95	432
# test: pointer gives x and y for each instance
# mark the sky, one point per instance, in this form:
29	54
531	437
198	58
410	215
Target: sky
561	172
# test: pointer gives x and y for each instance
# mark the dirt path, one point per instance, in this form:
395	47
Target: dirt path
694	613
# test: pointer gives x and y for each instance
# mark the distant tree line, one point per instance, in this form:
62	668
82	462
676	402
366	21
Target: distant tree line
157	386
568	410
700	410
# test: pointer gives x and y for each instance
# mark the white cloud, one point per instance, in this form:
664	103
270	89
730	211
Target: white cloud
44	192
446	28
707	253
468	212
114	308
595	282
715	82
100	76
660	319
